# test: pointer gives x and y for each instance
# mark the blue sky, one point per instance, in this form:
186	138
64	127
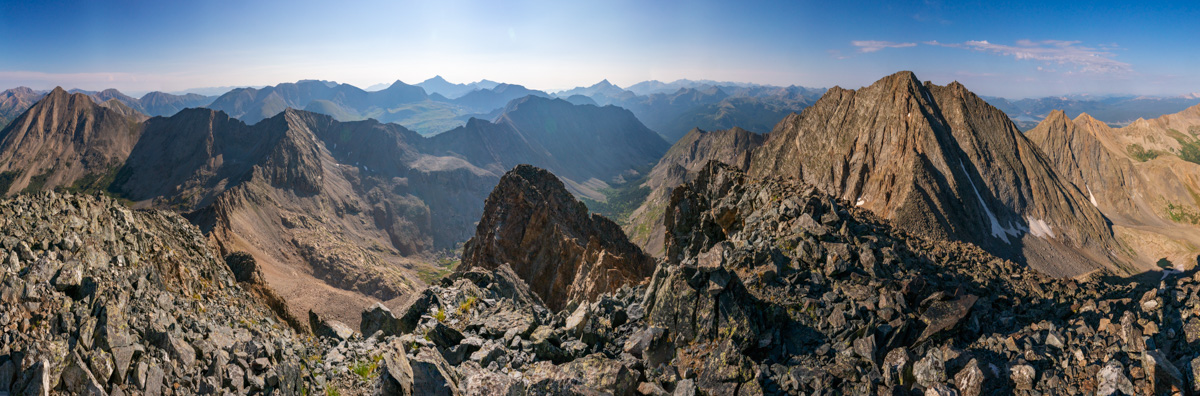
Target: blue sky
1014	49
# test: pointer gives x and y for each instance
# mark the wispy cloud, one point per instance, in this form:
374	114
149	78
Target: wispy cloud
1060	52
868	46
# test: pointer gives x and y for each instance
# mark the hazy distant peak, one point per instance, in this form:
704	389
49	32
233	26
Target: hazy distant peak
329	84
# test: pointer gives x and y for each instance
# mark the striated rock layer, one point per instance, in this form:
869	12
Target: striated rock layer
566	255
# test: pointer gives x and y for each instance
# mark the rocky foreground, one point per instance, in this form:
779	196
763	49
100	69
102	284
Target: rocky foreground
768	287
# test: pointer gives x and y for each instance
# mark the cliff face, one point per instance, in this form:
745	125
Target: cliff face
533	224
941	162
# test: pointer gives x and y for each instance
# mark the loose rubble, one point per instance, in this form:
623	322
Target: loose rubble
768	287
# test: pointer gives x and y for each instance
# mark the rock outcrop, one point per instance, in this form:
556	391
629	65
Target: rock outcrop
99	299
680	165
566	255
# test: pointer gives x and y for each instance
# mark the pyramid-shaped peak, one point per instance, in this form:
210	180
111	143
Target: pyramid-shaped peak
1056	116
604	83
1085	118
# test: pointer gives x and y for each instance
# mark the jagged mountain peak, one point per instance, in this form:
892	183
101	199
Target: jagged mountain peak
64	138
532	223
942	163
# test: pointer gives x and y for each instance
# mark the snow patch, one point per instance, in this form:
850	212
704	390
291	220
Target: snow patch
1039	228
860	202
1091	196
927	97
998	231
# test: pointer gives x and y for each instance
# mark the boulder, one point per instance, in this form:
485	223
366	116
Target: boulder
78	380
930	370
1023	376
328	327
1111	379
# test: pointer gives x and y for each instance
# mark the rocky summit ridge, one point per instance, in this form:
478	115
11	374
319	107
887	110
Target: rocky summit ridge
769	286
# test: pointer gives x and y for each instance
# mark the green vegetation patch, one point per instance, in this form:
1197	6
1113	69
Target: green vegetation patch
1182	214
620	202
1140	153
367	370
95	182
37	182
1190	151
7	179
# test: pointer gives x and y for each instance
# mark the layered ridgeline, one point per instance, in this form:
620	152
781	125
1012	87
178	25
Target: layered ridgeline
15	101
1113	110
439	85
676	108
408	105
678	166
941	162
337	213
66	141
1144	177
154	103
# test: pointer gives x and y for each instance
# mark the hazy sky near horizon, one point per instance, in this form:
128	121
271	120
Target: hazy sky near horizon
1012	48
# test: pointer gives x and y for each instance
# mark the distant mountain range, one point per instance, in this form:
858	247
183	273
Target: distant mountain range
337	213
669	108
1113	110
153	103
439	85
700	104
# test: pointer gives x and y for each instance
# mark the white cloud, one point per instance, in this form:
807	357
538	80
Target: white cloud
868	46
1070	53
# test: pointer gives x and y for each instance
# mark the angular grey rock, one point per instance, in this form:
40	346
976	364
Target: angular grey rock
898	368
379	318
943	315
328	327
1023	376
969	380
930	370
1112	379
79	380
1163	374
